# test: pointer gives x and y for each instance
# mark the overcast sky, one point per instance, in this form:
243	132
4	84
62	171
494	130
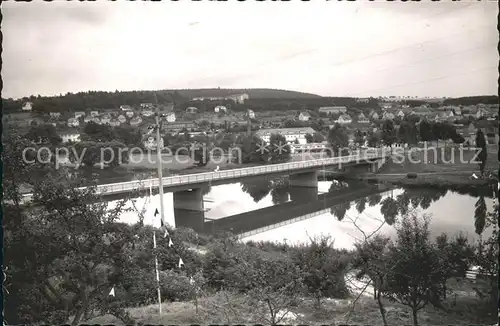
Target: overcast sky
327	48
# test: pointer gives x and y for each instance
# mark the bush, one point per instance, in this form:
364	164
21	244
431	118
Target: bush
411	175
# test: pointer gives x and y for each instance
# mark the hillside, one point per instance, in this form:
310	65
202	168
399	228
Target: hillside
254	93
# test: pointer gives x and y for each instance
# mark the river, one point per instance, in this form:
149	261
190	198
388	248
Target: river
450	211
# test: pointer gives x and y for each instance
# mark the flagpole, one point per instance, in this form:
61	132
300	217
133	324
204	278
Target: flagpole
158	151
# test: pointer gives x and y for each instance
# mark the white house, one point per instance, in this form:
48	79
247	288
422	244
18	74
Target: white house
362	118
171	117
191	109
94	113
96	120
87	119
129	114
151	144
135	121
73	137
304	116
291	134
121	118
251	114
79	114
28	106
73	122
147	112
220	108
55	115
388	115
125	108
105	119
344	119
114	123
400	114
333	109
374	115
239	98
146	105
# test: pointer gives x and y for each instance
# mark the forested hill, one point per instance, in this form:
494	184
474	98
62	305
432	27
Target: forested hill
108	100
472	100
254	93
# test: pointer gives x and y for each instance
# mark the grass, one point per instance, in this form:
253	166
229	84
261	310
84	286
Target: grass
463	308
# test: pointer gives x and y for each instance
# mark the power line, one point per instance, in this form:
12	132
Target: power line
294	55
423	81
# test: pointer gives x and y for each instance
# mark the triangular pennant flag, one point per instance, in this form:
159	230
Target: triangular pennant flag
166	233
112	292
156	212
170	243
161	223
181	263
154	240
191	280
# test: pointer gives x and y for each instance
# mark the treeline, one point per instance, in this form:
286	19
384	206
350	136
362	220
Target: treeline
472	100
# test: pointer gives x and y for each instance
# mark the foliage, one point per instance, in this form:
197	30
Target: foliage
90	153
324	269
279	150
417	276
359	139
388	133
373	139
483	151
389	210
257	189
456	253
480	215
338	139
44	134
97	132
425	131
407	133
251	148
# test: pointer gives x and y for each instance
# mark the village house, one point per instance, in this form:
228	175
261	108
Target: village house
251	114
94	113
121	118
146	105
105	119
220	108
291	134
344	119
333	109
170	117
73	122
114	123
192	110
150	142
147	112
386	115
304	116
362	118
129	114
374	115
400	114
88	118
178	126
126	108
28	106
96	120
79	114
70	137
386	106
135	121
55	115
362	100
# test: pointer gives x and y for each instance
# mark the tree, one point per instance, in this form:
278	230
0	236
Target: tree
309	138
72	253
359	138
338	139
417	275
44	134
388	133
340	210
361	204
425	131
390	210
97	133
252	148
374	200
257	190
373	139
483	151
129	135
279	150
407	133
480	215
90	153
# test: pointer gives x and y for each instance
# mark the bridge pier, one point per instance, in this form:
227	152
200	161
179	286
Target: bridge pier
304	186
188	209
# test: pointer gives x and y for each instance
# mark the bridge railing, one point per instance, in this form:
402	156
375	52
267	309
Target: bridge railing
234	173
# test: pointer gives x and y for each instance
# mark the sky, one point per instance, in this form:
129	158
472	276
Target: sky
323	47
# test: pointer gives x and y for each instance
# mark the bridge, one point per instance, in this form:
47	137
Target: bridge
299	208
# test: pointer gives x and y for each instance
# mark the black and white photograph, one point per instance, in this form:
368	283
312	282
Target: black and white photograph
250	162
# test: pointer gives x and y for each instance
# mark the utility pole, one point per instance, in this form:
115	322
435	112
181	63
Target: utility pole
159	158
249	128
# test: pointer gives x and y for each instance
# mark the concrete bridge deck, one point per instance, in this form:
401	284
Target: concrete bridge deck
196	180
